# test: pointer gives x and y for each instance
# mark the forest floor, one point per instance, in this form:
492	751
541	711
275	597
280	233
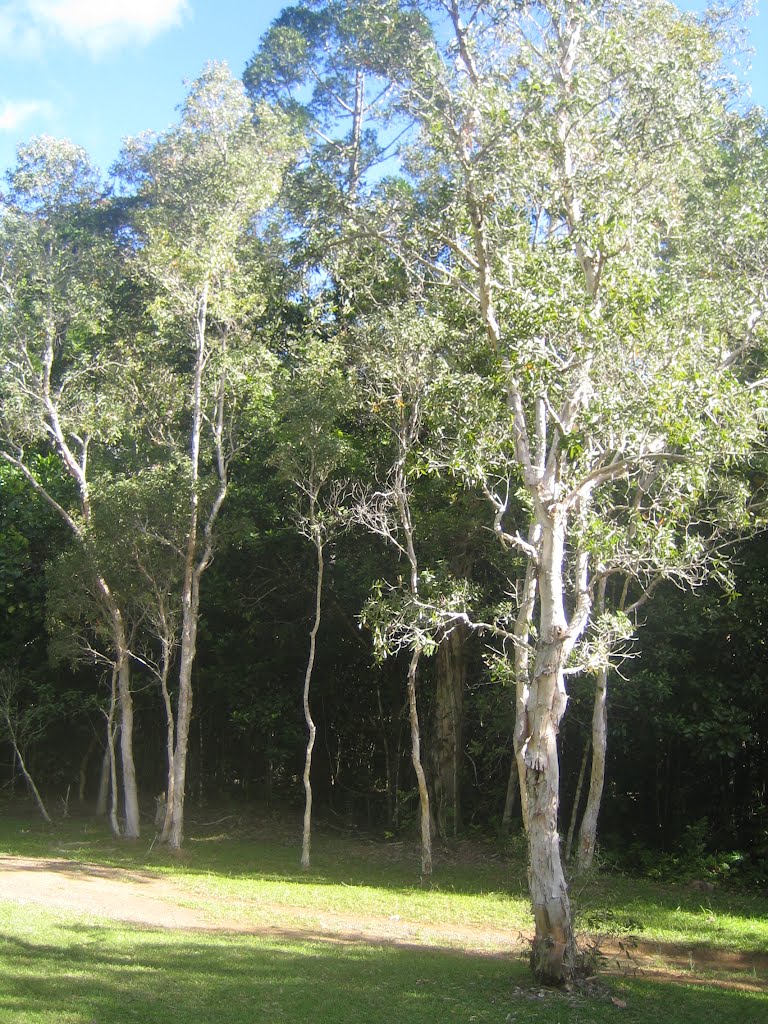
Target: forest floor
146	898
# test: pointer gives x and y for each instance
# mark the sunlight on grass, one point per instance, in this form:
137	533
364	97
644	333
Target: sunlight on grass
63	969
360	938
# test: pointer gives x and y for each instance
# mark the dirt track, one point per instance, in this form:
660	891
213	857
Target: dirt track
141	897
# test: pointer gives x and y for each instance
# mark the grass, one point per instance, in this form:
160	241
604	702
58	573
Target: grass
58	969
72	969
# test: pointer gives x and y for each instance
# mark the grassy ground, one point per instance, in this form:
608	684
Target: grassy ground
69	969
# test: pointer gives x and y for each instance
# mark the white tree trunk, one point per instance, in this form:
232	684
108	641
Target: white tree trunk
588	831
311	730
553	951
195	563
114	819
426	834
169	739
23	768
522	681
577	799
130	795
190	617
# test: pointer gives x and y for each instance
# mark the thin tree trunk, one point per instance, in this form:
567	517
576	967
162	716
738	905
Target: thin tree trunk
190	617
130	795
82	775
114	819
353	174
311	730
190	601
401	493
588	831
103	793
577	798
387	760
23	768
75	462
31	783
169	739
195	562
522	633
426	837
513	792
450	679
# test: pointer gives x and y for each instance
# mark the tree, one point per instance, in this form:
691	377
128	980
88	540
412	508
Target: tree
402	365
551	207
198	190
20	728
60	386
311	449
571	181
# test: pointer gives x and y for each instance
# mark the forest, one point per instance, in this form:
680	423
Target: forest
385	441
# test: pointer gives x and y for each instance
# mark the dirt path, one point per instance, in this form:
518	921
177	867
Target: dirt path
92	889
141	897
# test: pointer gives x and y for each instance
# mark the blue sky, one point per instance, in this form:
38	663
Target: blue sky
96	71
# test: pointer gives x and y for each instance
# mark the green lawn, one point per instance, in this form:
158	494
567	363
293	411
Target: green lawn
61	968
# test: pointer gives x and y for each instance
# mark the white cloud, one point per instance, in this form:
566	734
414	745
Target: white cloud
14	113
93	25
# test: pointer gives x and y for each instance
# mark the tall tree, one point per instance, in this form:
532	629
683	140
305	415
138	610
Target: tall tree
310	452
197	191
551	205
60	386
402	362
569	176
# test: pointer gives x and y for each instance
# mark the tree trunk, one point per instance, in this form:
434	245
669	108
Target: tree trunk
103	793
169	742
577	799
311	730
522	633
553	953
114	819
553	946
588	830
510	800
190	617
391	788
426	836
130	795
23	768
195	563
32	787
450	672
82	775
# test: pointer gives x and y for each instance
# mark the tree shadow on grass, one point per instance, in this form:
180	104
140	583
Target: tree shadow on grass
80	974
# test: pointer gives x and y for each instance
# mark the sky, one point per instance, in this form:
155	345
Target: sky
98	71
